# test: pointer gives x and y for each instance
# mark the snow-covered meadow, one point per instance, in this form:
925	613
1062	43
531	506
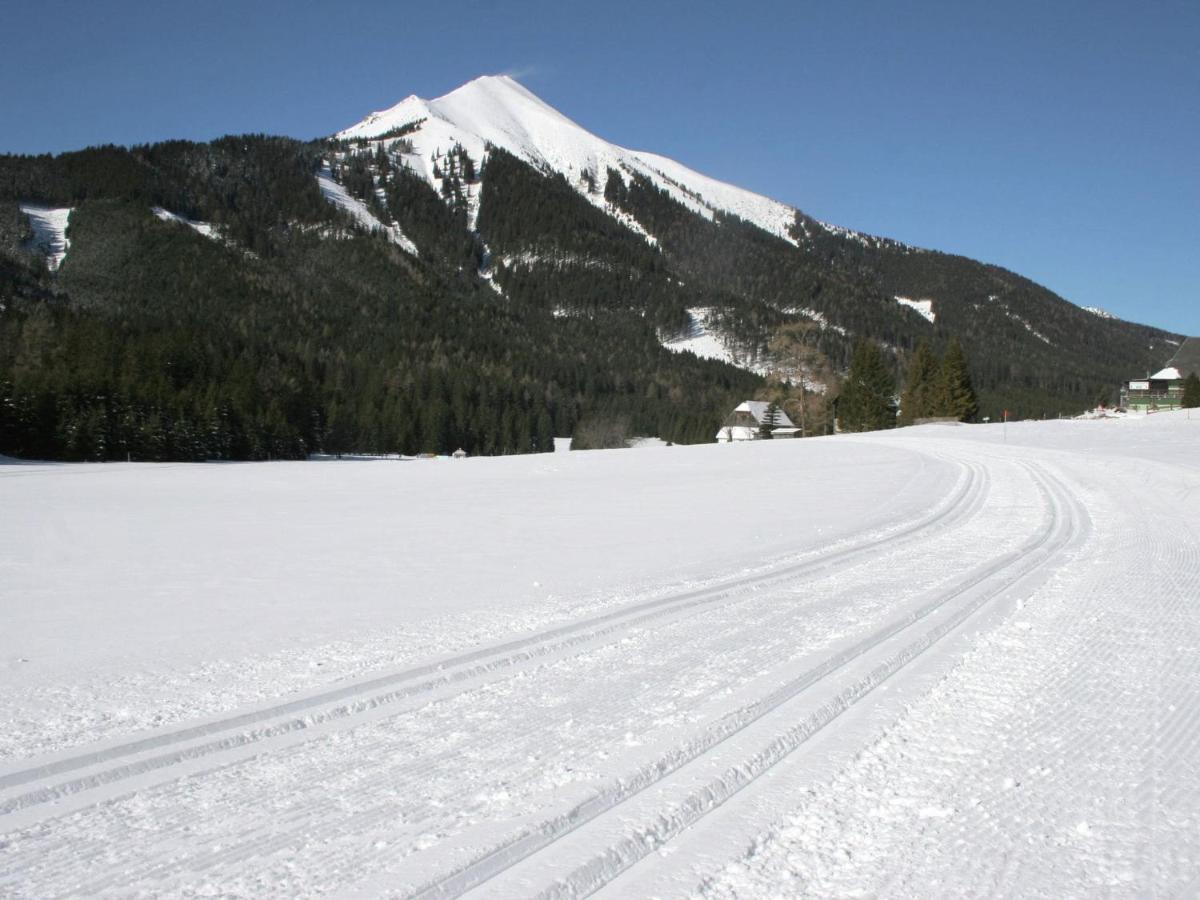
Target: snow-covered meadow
939	661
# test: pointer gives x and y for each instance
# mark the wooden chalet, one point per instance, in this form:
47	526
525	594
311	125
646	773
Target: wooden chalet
746	421
1164	389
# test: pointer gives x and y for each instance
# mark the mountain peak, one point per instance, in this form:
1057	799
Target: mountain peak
496	82
498	111
486	95
409	110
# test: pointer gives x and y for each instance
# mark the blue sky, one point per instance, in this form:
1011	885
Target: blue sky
1060	140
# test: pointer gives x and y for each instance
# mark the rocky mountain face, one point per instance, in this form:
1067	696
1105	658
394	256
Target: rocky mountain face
476	271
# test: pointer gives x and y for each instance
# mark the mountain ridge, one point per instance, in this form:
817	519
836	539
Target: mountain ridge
497	110
468	111
483	273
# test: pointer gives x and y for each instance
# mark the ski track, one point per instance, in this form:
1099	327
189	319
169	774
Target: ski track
48	786
1077	767
665	821
362	696
979	667
49	718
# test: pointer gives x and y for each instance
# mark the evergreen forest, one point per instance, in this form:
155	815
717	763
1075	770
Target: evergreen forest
288	328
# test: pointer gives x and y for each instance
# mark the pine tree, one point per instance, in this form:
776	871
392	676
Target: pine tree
922	387
615	191
769	420
957	395
1191	392
867	402
545	432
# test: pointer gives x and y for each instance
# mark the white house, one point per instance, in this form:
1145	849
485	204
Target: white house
746	421
1163	389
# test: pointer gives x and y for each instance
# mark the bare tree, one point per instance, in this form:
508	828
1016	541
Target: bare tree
799	364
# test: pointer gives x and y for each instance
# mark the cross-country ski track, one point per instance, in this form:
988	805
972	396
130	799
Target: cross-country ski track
989	687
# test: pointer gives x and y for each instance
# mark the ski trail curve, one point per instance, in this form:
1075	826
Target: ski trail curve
1064	525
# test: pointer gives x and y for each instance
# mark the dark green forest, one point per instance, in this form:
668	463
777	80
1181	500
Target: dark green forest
298	331
1031	352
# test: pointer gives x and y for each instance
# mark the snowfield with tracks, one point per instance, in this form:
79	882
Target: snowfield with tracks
940	661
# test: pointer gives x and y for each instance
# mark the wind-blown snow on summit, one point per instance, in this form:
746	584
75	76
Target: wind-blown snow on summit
496	110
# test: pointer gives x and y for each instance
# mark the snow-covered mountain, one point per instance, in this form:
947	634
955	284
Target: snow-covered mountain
476	270
496	110
849	284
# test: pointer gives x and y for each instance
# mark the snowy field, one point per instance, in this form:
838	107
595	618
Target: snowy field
935	662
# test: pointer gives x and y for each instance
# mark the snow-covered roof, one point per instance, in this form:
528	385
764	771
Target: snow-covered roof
1168	374
1186	360
758	409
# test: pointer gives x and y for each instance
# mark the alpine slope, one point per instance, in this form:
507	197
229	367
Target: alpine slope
939	661
497	111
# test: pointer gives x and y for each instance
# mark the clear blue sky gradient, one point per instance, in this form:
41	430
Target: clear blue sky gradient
1060	140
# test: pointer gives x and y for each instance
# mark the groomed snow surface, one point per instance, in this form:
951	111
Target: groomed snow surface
933	662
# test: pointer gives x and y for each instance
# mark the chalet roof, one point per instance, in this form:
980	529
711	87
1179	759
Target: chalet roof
1186	359
758	409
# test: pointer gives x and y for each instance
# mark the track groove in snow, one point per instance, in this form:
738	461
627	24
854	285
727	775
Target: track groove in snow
978	696
1063	527
1085	782
125	760
279	832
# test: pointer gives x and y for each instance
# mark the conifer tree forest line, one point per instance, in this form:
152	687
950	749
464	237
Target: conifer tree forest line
1191	392
298	331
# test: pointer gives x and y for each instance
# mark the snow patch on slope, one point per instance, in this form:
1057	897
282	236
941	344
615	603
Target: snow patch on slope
497	111
995	298
209	230
1097	311
49	231
1025	322
624	218
341	198
769	215
818	317
557	260
844	232
708	344
924	308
